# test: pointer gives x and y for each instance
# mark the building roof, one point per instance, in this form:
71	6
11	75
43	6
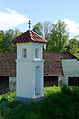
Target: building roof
7	64
29	36
52	64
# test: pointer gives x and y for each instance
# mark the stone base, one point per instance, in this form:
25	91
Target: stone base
27	101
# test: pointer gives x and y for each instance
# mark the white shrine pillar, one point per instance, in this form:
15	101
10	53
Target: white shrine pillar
29	65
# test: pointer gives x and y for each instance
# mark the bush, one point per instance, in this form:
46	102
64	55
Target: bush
59	103
65	90
8	97
17	112
33	115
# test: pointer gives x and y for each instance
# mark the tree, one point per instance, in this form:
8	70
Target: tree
47	27
75	50
58	37
73	47
70	44
1	36
44	30
6	38
38	28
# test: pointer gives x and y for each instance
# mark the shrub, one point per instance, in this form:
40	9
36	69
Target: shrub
8	97
16	113
33	115
59	103
65	90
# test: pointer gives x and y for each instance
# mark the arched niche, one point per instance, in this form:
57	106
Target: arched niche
36	53
38	80
24	53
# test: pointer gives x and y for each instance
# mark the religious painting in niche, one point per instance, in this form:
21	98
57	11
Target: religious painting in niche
36	53
24	53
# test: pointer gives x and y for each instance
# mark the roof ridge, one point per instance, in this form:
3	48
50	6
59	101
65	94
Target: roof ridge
31	35
39	35
72	55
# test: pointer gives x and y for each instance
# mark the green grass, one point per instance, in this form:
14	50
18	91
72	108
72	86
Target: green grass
60	103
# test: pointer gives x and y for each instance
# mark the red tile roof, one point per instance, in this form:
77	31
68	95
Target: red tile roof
29	36
52	64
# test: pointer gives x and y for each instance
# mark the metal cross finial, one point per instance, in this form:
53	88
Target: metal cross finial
29	24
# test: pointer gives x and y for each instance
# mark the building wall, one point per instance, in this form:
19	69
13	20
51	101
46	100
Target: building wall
26	70
30	50
70	69
25	82
12	83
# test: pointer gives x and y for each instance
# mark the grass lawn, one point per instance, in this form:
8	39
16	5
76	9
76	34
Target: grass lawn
60	103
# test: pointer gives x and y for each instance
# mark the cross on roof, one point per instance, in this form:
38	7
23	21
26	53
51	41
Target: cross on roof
29	24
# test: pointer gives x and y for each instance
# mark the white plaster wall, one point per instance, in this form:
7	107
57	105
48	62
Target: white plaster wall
12	83
25	81
26	70
70	69
40	47
63	79
30	50
26	78
20	46
41	65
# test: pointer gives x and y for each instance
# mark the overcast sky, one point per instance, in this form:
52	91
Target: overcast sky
16	13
